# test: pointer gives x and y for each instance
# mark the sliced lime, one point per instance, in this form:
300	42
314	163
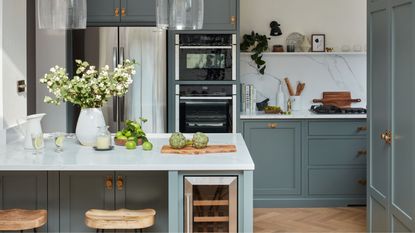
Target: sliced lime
38	142
59	140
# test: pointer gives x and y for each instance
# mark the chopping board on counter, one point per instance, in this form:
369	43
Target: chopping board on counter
210	149
340	99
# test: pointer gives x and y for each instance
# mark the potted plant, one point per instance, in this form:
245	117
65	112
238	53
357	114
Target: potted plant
90	89
257	44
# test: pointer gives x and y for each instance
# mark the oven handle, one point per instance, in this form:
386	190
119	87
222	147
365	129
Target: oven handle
205	47
206	98
205	124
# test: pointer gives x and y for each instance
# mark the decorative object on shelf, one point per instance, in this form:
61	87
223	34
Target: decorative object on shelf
306	46
180	14
278	48
329	50
275	29
90	89
318	42
261	105
294	41
259	44
62	14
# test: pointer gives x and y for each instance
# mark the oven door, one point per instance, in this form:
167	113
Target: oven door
205	63
205	115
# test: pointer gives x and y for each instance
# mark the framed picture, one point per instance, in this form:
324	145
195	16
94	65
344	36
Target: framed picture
318	43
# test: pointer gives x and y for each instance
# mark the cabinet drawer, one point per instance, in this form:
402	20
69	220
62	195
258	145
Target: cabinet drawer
337	181
338	128
337	151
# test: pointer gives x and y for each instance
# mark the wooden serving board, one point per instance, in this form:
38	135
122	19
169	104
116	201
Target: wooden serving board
341	99
188	150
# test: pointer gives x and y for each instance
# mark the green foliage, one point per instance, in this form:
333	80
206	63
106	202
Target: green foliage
261	45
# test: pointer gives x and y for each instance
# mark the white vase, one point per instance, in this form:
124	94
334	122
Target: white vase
89	122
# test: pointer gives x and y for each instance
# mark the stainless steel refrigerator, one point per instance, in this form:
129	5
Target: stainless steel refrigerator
146	98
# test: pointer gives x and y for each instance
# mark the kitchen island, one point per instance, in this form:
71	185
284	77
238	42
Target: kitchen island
80	178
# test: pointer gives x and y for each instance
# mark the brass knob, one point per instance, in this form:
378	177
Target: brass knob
109	183
362	153
387	137
362	128
120	183
362	182
233	20
272	125
123	11
117	12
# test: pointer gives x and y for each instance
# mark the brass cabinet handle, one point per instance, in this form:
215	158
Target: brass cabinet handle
120	183
387	137
123	11
233	20
109	183
361	128
362	153
272	125
117	12
362	182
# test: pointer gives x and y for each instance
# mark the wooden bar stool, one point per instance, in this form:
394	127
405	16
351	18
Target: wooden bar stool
21	220
122	219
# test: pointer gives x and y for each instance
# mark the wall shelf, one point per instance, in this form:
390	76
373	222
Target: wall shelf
307	53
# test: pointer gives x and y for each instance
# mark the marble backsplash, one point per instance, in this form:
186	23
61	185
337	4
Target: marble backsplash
320	72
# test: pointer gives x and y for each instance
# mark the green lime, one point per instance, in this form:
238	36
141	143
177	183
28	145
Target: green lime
128	134
132	139
59	140
147	146
38	142
119	134
130	145
124	138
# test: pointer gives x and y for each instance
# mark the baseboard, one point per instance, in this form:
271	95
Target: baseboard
308	202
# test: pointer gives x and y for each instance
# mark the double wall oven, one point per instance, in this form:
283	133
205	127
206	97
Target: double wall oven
202	63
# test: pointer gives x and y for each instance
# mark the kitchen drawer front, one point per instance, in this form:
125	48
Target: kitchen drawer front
337	128
337	151
337	181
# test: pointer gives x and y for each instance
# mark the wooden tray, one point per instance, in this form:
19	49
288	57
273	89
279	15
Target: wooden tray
341	99
188	150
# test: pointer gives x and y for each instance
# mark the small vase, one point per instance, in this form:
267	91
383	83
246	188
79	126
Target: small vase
306	46
89	122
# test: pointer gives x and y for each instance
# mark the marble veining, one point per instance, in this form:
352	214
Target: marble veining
321	72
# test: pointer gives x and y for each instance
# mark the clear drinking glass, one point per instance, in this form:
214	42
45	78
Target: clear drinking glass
37	143
59	138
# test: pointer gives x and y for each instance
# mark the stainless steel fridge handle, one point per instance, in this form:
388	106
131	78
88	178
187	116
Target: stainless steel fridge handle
121	55
114	56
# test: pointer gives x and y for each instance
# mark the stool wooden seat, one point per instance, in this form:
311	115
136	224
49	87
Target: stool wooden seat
122	219
20	220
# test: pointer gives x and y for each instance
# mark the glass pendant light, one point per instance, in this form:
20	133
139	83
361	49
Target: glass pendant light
62	14
180	14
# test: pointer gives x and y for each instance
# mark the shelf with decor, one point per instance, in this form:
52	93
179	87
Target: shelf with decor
306	53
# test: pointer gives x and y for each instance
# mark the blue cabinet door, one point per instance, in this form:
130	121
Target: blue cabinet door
81	191
138	12
275	147
220	15
101	12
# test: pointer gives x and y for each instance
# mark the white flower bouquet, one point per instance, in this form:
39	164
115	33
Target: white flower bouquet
89	88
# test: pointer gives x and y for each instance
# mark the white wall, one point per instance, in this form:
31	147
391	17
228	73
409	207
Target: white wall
50	51
13	61
2	132
343	21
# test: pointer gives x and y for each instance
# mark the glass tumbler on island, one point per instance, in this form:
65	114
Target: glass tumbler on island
59	139
37	143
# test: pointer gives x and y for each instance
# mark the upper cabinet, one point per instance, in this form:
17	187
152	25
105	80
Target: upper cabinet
220	15
121	12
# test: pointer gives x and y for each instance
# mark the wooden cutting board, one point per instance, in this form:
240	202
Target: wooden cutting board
341	99
188	150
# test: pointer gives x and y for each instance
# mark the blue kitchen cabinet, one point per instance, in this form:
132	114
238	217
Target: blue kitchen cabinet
220	15
121	12
103	11
391	133
308	163
275	147
24	190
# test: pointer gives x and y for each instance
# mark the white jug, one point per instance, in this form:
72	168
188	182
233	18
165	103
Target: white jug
31	127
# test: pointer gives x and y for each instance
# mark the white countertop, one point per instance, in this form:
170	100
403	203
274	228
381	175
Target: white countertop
75	157
303	114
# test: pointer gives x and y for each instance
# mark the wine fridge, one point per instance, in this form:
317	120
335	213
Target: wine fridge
211	204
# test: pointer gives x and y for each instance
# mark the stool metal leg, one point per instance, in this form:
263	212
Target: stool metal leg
34	230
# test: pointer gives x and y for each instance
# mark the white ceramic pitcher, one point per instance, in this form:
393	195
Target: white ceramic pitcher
31	127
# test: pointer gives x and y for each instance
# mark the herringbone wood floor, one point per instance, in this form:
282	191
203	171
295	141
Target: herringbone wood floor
310	220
